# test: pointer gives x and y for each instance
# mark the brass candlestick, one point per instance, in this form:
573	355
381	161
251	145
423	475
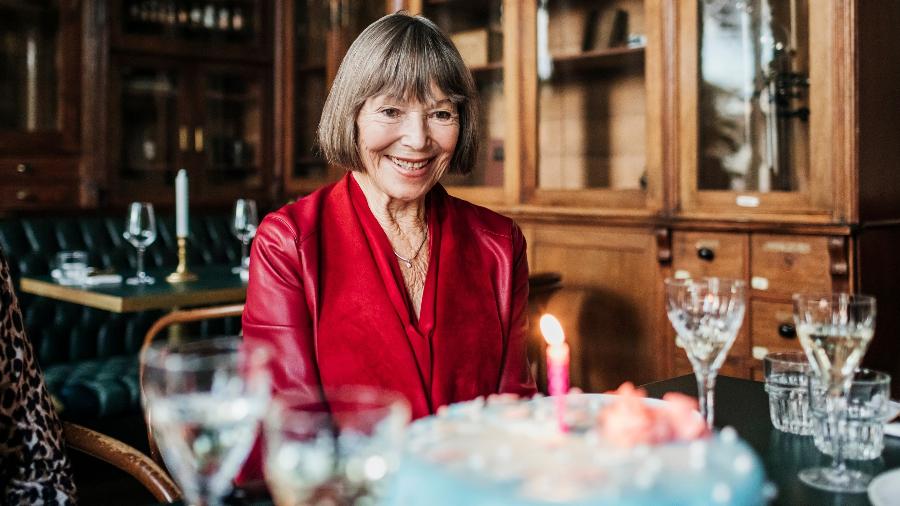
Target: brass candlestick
181	274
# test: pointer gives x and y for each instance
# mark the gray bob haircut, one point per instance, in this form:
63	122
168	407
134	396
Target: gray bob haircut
402	56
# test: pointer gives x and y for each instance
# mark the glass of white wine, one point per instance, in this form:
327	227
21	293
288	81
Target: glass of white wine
204	402
707	314
140	231
243	226
835	331
342	449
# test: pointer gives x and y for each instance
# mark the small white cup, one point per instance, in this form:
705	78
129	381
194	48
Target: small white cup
73	266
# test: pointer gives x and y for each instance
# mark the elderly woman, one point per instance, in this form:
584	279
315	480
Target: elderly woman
383	279
34	468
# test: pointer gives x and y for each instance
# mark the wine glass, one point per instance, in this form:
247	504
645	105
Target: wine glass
140	231
835	331
244	228
204	401
707	314
340	450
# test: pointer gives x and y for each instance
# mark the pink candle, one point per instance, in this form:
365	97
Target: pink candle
557	364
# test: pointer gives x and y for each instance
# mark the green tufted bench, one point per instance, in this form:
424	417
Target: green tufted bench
89	356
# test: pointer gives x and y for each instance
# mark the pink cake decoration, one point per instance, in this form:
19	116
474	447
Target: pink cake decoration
629	421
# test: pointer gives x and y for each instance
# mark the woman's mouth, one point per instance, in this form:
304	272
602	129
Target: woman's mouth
410	167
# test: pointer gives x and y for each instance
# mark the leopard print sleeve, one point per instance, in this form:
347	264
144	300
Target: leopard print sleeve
34	468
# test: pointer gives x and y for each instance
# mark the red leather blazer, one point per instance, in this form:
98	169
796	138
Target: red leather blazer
316	296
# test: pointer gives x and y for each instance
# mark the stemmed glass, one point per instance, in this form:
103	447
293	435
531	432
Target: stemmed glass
204	401
244	228
340	450
835	331
707	314
140	231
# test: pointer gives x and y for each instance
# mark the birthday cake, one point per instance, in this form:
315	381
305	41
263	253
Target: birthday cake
604	450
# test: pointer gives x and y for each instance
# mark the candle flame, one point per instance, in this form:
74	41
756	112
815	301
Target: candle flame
552	330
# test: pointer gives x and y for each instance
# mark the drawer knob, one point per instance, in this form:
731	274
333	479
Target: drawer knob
705	253
22	168
787	331
23	195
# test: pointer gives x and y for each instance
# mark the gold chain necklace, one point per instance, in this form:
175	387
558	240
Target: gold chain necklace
409	261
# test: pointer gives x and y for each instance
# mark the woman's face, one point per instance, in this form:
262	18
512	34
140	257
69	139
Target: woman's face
406	146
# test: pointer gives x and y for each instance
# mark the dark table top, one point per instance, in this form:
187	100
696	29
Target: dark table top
215	284
744	405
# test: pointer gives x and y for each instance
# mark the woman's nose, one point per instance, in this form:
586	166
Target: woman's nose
415	131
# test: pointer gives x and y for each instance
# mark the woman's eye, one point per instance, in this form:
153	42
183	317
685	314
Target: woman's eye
390	112
443	115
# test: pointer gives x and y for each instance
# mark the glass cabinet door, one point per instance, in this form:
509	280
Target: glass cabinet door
476	27
38	75
749	94
597	118
316	39
232	130
149	135
188	25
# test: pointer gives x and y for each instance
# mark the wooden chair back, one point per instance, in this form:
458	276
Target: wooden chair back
122	456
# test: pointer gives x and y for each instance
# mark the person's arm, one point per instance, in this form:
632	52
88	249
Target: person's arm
276	312
516	376
276	315
34	468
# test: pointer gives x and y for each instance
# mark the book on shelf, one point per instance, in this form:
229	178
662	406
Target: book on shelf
605	29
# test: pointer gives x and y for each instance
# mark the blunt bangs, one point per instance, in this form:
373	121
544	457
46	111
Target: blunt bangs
405	57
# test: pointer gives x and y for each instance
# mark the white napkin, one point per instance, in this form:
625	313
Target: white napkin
892	429
103	279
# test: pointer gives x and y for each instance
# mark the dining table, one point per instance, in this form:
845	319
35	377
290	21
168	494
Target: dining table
744	406
215	284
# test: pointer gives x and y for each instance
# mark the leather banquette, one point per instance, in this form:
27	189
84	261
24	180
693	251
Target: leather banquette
89	356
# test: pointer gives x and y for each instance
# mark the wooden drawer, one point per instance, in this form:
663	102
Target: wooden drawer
41	196
700	254
786	264
23	171
773	330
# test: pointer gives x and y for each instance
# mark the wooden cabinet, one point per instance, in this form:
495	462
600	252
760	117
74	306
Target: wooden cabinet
314	36
40	51
181	85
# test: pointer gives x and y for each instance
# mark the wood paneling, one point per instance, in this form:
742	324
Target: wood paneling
613	283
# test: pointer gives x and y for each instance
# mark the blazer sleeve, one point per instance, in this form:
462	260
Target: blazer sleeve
516	375
276	313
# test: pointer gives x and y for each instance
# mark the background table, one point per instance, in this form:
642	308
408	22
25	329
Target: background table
744	405
215	285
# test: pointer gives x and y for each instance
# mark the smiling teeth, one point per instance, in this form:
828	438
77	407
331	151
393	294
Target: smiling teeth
409	165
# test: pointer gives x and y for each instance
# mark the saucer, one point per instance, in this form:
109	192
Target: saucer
885	488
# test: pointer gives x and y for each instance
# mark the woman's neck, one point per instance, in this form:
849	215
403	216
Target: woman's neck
395	216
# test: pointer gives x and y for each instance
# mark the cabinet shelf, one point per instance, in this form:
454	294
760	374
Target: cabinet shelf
612	58
311	68
231	97
492	70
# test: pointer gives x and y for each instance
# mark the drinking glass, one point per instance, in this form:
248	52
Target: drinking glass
244	228
204	401
787	379
835	331
140	231
868	408
343	450
707	314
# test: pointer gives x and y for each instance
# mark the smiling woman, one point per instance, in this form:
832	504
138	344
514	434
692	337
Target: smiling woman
383	279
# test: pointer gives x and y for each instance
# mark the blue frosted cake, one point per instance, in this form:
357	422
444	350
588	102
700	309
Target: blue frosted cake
512	452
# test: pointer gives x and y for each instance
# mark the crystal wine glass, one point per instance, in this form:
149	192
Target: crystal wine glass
244	228
204	401
835	331
707	314
342	450
140	231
